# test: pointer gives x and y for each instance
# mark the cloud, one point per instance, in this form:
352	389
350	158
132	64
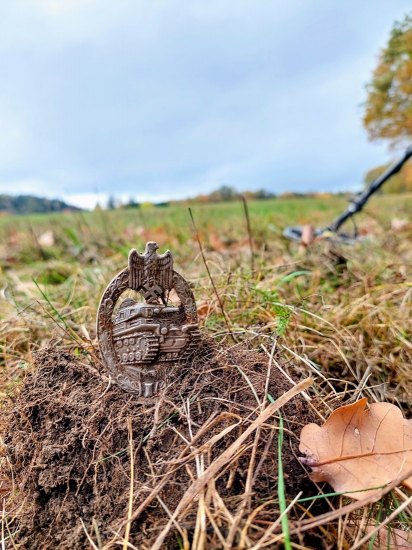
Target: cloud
161	99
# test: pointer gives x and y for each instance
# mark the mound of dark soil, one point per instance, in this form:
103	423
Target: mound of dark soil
69	446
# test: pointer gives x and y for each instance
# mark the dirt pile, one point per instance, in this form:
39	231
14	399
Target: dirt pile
71	435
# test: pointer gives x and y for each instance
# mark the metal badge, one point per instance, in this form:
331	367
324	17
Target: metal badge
139	339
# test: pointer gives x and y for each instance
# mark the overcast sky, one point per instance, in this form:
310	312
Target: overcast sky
166	99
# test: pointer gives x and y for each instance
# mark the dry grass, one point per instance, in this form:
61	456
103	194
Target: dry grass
338	314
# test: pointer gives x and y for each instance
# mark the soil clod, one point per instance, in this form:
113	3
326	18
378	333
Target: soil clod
68	442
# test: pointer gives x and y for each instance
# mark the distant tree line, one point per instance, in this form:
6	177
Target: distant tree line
399	183
224	193
27	204
227	193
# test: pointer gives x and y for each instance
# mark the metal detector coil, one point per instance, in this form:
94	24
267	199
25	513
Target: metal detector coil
356	205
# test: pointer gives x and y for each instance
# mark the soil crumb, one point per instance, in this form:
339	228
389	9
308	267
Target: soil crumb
71	434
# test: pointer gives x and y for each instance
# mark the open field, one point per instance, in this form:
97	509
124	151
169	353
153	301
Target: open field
338	313
77	233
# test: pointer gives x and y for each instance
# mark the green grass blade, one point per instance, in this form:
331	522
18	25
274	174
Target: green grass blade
281	485
281	489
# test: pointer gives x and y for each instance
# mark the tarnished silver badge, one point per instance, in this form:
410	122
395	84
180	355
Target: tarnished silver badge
139	339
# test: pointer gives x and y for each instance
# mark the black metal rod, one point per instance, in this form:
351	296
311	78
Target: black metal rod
359	202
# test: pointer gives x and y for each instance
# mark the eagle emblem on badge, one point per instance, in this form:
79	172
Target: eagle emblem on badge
139	339
151	273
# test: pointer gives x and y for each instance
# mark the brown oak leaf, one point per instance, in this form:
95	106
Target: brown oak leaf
359	448
385	537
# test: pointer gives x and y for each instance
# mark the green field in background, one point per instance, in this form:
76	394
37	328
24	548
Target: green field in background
117	230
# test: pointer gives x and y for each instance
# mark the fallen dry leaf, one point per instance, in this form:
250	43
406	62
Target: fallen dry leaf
388	537
46	239
359	448
308	235
392	538
399	224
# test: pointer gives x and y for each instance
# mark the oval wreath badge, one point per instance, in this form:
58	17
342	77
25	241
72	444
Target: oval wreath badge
138	339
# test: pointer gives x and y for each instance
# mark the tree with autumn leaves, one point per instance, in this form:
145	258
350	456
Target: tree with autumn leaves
388	108
388	112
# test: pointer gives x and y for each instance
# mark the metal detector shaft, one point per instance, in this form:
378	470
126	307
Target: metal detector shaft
359	202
